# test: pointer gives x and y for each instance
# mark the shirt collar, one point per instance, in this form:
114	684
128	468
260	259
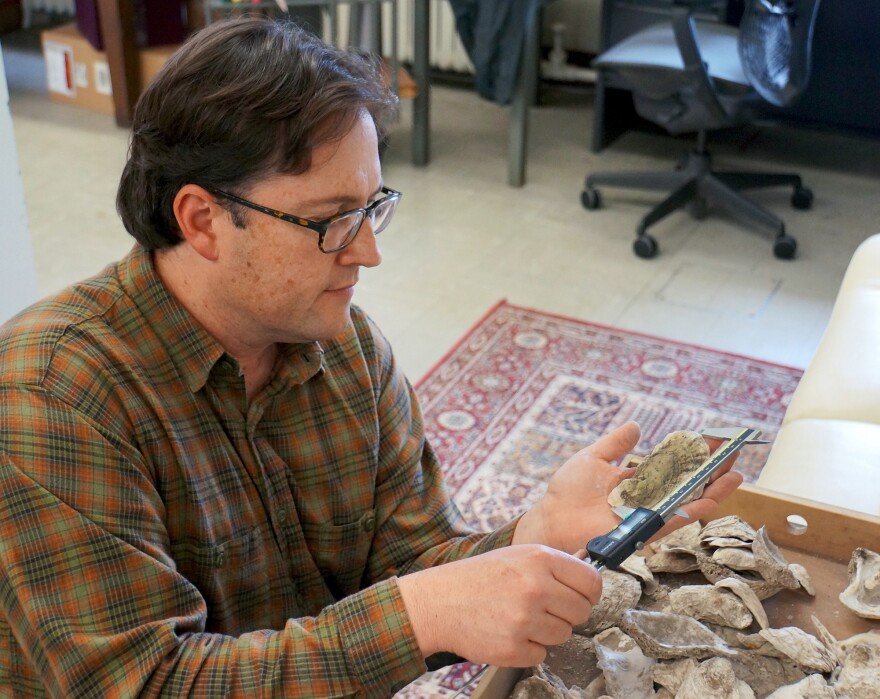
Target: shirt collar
192	349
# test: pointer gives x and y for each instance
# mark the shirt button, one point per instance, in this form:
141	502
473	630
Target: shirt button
219	557
282	515
369	523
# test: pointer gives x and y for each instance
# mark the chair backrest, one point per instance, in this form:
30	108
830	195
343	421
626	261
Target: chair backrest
775	47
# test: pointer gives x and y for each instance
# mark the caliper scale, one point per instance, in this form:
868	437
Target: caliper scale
640	524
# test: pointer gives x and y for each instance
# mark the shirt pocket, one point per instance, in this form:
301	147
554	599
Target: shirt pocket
243	579
341	552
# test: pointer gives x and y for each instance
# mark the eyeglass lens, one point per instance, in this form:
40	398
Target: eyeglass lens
343	230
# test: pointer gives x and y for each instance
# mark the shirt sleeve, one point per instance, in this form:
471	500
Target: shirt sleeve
92	604
418	525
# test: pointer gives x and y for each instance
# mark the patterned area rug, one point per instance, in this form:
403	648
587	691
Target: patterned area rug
525	390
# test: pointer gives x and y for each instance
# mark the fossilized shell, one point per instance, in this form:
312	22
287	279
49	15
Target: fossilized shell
714	572
543	684
770	563
727	542
627	671
661	473
664	635
714	679
827	638
763	673
710	603
792	642
638	566
738	559
862	595
811	687
858	676
674	560
802	575
748	597
730	526
670	675
620	591
687	537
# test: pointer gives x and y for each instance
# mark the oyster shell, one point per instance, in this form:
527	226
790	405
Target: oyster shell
710	603
803	577
748	597
811	687
637	566
541	684
714	679
862	595
731	526
763	673
725	542
674	560
714	572
792	642
620	591
670	675
858	677
736	558
627	672
664	635
687	537
770	563
827	638
667	467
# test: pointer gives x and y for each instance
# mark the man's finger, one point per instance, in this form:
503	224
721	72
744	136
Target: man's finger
616	443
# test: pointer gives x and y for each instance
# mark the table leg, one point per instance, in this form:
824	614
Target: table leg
422	101
523	98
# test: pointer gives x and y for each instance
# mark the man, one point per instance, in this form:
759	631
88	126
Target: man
213	477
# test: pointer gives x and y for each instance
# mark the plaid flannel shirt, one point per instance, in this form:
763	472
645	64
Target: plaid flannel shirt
161	536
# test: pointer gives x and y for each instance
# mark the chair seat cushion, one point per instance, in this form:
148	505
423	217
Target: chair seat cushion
655	47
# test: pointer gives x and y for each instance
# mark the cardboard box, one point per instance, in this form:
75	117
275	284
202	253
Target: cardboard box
79	76
824	548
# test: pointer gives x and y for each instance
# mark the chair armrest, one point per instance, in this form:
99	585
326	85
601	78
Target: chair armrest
685	29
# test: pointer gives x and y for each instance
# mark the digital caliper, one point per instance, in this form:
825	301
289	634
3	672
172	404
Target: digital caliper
640	524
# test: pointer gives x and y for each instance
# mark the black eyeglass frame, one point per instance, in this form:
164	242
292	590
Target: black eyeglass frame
321	227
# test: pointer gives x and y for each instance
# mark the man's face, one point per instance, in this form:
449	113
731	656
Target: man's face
276	284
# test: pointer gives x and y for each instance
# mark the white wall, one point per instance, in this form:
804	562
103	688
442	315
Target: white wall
18	278
582	23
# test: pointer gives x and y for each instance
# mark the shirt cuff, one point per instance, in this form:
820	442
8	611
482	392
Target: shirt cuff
379	640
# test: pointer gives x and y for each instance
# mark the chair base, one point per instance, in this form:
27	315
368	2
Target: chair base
695	185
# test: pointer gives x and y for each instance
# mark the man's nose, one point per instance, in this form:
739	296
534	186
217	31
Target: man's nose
364	249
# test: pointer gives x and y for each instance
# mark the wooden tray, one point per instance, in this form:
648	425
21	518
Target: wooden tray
823	547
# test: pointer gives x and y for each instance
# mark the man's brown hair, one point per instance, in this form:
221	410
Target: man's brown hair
240	100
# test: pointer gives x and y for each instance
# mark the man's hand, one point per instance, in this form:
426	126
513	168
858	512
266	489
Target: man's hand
575	507
502	607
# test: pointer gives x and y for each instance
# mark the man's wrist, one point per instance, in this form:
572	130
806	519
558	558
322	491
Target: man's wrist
530	528
421	619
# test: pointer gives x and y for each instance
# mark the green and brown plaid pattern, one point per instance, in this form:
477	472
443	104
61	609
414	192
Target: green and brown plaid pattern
159	536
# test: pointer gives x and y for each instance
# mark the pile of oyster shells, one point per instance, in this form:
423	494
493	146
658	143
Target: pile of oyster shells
655	638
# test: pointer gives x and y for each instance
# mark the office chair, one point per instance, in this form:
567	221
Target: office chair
691	75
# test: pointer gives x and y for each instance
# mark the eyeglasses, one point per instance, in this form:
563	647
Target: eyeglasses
337	231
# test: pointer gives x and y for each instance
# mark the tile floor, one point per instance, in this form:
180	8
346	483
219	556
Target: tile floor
463	239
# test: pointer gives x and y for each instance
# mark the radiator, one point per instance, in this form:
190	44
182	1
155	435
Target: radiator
53	7
446	50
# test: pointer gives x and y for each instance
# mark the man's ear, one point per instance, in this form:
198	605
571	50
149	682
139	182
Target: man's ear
200	218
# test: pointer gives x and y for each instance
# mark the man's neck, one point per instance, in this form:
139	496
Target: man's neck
256	361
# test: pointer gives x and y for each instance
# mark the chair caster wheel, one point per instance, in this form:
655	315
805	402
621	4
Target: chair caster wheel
802	198
590	199
645	247
784	247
